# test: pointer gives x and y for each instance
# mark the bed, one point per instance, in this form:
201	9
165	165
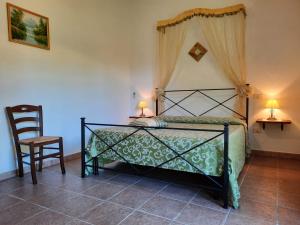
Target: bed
214	147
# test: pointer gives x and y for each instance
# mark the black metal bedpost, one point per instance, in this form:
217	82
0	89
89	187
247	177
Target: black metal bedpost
247	110
156	102
226	172
82	147
95	166
247	107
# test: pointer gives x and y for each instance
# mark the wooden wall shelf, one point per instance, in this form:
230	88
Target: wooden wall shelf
281	122
137	117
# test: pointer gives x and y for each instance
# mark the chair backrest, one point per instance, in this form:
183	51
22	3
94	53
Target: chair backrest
17	116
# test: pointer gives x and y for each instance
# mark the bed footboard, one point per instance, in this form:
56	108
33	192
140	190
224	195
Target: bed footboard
220	187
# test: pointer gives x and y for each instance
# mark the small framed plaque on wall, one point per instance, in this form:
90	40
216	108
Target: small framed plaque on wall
197	51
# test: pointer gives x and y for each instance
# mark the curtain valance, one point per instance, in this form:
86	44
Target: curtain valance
231	10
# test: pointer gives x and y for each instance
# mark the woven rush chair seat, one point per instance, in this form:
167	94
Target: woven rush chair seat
39	140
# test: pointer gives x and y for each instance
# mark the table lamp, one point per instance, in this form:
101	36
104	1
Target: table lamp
142	105
272	104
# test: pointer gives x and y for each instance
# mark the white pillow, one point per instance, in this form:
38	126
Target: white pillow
150	122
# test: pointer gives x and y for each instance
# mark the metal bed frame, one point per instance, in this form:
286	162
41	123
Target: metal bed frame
220	187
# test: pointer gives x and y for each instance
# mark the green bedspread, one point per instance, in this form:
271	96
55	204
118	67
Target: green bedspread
143	149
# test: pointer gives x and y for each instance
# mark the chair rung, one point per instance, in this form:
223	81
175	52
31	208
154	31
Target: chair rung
27	163
50	148
48	156
26	119
28	154
27	129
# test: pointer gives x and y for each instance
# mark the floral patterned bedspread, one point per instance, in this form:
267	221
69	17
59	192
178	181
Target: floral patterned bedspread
143	149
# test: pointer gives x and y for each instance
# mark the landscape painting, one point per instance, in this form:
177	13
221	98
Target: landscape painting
26	27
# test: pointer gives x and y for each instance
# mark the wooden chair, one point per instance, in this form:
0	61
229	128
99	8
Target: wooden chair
17	116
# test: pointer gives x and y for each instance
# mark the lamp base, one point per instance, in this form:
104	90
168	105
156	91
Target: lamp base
142	113
272	117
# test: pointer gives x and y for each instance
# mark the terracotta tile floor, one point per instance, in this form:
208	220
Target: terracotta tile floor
270	194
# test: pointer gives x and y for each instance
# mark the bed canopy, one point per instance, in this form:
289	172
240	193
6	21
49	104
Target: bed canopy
224	32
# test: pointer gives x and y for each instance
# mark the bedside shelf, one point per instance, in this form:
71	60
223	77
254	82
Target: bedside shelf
137	117
281	122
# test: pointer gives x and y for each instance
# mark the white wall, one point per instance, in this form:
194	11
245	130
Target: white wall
85	73
273	53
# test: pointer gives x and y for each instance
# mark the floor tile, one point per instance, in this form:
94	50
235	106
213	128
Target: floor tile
263	183
48	198
290	164
150	185
29	191
240	220
7	201
259	195
78	184
269	162
288	175
179	192
132	197
77	222
72	167
104	190
261	171
176	223
53	179
104	175
124	179
139	218
289	186
264	178
12	184
164	207
256	210
288	216
74	206
243	174
197	215
17	213
205	199
106	214
289	200
47	218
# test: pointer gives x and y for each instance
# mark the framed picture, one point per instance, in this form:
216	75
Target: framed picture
197	51
28	28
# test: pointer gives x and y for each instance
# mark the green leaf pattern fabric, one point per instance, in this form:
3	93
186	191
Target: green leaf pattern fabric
144	149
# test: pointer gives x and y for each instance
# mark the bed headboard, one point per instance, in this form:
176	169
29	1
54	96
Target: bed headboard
205	93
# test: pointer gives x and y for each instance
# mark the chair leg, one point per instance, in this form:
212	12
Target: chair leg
20	162
41	161
32	164
61	158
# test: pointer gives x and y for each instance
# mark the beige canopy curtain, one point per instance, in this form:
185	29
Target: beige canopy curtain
170	44
224	31
226	39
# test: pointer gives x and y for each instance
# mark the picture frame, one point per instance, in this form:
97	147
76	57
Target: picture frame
197	51
27	27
